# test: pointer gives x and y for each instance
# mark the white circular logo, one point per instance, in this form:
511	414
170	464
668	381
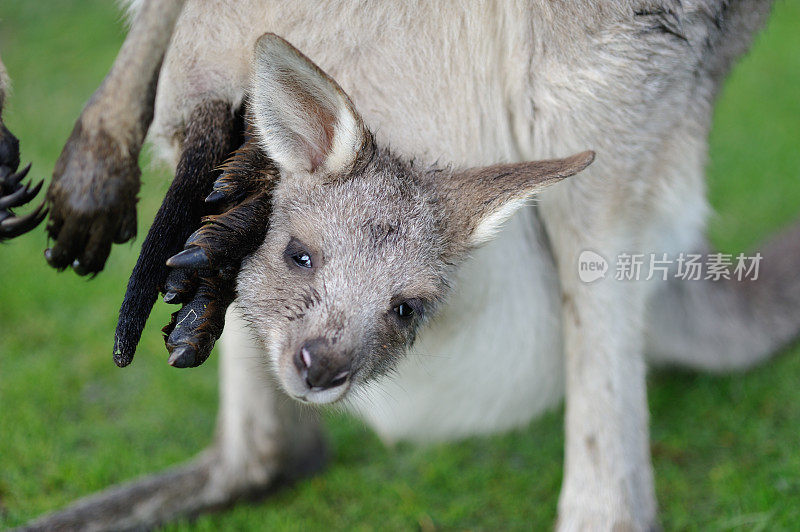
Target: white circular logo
591	266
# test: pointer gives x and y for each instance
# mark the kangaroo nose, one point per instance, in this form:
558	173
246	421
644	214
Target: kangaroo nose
320	366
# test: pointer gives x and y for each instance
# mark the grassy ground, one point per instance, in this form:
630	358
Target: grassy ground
726	449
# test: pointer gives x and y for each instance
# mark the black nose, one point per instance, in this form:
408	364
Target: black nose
320	365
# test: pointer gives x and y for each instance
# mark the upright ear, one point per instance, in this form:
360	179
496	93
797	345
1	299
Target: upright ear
305	121
482	199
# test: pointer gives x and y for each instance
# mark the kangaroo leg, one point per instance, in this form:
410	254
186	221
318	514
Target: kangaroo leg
608	477
92	196
730	324
263	441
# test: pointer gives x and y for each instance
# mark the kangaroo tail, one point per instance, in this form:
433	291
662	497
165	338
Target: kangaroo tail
205	484
730	324
141	504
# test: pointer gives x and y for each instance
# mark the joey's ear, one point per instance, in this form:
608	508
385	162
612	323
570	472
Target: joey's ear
481	199
305	121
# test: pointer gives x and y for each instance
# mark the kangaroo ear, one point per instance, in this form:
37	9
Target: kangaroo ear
305	121
482	199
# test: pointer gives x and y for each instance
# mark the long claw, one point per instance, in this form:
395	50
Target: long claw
14	179
12	227
20	197
181	285
15	199
184	356
215	196
193	257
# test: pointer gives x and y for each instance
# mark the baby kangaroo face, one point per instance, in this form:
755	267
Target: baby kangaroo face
361	243
349	271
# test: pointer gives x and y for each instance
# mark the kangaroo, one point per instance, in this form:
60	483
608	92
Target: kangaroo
370	250
12	192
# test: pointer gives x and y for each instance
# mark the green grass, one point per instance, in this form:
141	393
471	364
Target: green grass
726	449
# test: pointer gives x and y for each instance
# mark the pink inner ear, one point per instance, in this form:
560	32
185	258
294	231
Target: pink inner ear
320	141
320	147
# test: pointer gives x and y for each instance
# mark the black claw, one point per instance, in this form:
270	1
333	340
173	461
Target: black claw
180	286
181	280
51	260
215	196
193	257
20	197
79	268
12	227
14	179
194	238
183	357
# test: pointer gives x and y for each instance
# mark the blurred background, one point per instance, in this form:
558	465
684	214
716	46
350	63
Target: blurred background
726	449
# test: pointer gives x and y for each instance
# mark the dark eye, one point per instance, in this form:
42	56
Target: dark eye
302	259
404	310
296	255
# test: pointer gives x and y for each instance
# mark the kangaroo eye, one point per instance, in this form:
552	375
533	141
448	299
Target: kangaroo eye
302	259
297	256
404	310
407	311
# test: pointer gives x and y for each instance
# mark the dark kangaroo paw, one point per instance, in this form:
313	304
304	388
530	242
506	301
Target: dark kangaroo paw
92	197
92	200
215	252
13	193
195	328
210	136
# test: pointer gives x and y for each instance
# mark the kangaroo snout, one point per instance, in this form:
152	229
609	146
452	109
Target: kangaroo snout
321	366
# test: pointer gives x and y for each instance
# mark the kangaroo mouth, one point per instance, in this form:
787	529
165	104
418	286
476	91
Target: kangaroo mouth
321	396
